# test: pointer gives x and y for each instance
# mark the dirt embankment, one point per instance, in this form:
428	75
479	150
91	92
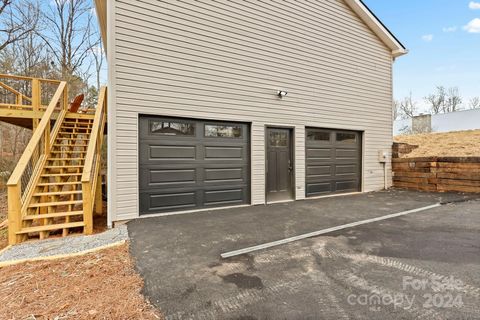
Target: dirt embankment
101	285
450	144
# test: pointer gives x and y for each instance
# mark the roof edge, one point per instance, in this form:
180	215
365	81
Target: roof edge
101	11
374	23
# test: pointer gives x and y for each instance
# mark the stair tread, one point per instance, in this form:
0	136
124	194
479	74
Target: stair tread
65	166
56	193
56	151
69	145
79	125
52	215
65	159
52	227
73	139
72	127
61	174
45	184
52	204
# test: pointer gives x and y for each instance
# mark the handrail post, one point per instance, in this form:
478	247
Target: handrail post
87	207
47	139
36	99
14	212
65	98
98	193
19	99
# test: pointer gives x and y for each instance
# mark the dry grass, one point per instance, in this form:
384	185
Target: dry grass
101	285
450	144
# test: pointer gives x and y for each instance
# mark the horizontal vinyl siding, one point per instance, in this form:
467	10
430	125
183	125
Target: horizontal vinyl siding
225	60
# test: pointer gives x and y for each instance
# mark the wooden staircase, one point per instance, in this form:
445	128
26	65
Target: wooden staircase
56	202
56	185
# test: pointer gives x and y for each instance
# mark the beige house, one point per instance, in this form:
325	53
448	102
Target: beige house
229	103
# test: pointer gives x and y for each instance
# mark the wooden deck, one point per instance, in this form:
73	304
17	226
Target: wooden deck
25	109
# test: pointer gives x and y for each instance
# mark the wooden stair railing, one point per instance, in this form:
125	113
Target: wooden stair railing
24	177
19	97
91	177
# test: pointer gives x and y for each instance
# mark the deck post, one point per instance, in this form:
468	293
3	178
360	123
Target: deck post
87	208
14	212
19	99
36	100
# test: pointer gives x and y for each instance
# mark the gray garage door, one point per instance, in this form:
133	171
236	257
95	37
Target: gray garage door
333	161
189	164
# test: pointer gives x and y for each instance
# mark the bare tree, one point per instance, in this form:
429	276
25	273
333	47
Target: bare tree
68	31
408	106
98	55
17	20
395	109
454	100
29	57
475	103
437	100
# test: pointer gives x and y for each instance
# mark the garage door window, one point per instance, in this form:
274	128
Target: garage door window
346	137
172	128
223	131
318	136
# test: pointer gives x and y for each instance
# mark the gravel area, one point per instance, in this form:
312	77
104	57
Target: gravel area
62	246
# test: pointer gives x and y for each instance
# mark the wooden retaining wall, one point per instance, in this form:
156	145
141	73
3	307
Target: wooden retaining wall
437	174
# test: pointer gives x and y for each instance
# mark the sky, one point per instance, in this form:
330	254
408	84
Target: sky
443	39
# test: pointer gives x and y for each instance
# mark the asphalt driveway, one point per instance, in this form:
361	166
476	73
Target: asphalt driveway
424	265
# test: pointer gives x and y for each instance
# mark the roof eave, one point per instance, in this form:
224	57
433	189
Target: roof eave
369	18
399	53
101	10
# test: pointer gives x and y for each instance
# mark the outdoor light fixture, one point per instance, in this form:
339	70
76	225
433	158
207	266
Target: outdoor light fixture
281	93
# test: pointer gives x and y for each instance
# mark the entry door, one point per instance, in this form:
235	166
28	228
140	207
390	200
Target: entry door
279	164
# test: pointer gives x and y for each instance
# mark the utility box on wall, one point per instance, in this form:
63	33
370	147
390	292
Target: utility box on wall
383	156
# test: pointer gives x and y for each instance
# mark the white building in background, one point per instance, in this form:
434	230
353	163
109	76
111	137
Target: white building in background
445	122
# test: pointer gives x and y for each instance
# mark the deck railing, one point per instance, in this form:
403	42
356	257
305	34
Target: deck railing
31	94
28	169
91	177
